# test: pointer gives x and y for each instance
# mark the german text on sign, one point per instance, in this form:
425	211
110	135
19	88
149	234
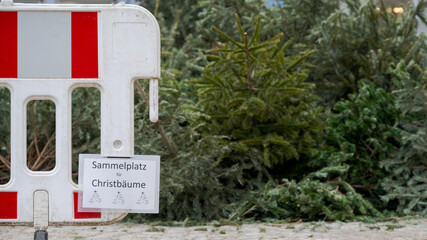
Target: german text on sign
125	183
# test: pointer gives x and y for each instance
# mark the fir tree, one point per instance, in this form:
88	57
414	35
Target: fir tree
359	42
4	135
359	134
256	97
310	199
193	186
407	167
299	20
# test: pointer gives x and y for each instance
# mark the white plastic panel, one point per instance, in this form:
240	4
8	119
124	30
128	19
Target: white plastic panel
44	45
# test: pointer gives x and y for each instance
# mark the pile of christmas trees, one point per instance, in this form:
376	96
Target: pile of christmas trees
295	110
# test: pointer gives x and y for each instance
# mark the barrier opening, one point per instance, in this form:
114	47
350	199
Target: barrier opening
86	124
141	116
4	135
41	135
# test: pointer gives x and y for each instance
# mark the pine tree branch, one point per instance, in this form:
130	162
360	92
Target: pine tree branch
248	70
369	187
5	162
38	163
156	8
372	151
227	37
169	144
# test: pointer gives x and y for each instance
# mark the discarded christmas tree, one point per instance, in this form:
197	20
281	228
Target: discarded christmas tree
255	97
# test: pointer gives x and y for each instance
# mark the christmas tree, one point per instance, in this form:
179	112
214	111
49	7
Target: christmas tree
143	200
118	199
95	198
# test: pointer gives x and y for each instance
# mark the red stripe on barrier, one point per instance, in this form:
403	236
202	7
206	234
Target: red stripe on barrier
8	44
84	45
8	205
81	215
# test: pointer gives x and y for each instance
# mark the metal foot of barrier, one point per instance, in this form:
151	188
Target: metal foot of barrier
40	235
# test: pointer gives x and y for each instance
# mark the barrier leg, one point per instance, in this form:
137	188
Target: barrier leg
41	214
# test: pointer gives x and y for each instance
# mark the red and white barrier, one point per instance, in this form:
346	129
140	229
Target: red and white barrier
46	51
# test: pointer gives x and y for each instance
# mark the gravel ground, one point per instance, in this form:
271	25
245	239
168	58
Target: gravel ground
402	229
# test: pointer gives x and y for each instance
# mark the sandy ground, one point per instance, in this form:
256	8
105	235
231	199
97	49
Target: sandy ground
402	229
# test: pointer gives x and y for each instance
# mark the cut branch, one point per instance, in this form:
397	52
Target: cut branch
169	144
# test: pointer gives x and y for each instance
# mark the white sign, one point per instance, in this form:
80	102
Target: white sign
131	184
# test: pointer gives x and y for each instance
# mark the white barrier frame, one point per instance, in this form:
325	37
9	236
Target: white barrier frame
116	85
